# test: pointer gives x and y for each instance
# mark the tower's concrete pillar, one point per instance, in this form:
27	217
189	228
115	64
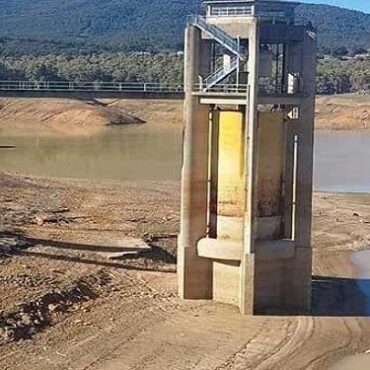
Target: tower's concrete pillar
247	290
194	273
300	278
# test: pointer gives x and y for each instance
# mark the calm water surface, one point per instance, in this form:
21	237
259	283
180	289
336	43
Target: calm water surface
342	159
121	153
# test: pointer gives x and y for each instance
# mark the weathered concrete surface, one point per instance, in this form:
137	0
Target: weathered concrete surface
256	186
194	273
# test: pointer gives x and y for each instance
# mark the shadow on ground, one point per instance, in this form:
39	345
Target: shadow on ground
332	296
156	255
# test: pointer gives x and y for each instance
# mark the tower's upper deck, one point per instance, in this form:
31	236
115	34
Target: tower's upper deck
274	11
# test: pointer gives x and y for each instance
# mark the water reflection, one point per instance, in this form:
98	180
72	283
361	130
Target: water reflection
146	152
342	161
362	262
121	153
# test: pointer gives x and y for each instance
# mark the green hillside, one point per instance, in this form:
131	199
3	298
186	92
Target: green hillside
79	26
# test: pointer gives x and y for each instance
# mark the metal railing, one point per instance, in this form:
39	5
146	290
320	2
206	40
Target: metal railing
221	88
230	11
141	87
221	73
218	34
150	87
279	89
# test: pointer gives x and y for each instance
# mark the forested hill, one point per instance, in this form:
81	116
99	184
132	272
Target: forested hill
44	26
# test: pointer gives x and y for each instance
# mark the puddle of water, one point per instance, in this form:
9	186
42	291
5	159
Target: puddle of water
120	153
361	261
342	161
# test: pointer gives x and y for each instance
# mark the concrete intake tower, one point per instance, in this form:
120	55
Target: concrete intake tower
245	234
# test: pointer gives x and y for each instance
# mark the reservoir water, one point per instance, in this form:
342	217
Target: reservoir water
342	159
120	153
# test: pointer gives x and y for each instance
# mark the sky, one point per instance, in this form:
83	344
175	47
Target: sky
363	5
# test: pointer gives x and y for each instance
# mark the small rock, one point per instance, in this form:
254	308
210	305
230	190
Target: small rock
52	307
55	271
26	319
46	218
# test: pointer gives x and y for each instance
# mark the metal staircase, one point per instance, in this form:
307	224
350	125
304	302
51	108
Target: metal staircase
228	42
222	73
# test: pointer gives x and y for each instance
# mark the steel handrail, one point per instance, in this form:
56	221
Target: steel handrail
222	88
90	86
231	11
217	33
221	73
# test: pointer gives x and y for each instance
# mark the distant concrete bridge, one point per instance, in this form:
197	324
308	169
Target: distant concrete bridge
90	90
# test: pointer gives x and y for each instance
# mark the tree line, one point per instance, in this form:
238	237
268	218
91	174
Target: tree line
334	76
133	67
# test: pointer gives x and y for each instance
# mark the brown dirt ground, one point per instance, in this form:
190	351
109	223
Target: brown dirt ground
81	118
131	317
343	112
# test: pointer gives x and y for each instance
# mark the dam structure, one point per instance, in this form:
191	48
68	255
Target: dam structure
245	235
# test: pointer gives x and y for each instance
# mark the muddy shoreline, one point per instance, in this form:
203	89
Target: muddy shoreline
74	118
68	228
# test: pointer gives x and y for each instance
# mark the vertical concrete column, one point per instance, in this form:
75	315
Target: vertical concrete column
251	140
194	273
306	142
298	283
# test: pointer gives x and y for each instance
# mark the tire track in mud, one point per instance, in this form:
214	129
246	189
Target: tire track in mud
269	347
318	361
130	352
304	330
256	349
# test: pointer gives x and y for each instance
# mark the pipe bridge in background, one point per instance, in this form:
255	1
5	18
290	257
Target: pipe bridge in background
145	90
91	90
